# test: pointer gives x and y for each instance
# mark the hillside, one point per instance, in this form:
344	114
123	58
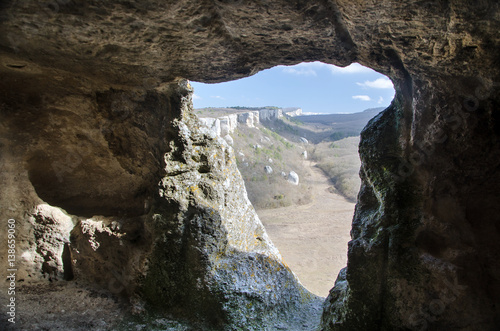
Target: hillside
354	121
221	111
328	127
268	150
340	161
257	148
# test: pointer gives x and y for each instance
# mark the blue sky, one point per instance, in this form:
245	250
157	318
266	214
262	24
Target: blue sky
315	87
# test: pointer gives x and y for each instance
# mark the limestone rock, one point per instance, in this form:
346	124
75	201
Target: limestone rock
304	140
270	114
256	117
268	170
247	119
50	252
229	139
213	123
228	124
225	245
292	112
293	178
109	251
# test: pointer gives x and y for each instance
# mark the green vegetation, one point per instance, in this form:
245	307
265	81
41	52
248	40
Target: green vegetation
318	128
270	190
224	111
343	134
252	108
340	161
295	120
275	136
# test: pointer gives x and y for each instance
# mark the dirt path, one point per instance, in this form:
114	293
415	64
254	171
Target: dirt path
313	238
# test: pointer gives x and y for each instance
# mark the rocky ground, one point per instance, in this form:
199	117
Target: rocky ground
71	306
64	306
313	238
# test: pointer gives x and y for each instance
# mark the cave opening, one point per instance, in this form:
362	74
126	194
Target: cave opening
424	249
302	120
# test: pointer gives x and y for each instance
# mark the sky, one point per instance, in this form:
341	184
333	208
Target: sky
314	86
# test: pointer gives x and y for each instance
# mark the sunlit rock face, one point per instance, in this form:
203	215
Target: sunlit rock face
95	121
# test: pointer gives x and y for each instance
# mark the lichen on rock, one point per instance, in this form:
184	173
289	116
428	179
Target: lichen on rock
214	258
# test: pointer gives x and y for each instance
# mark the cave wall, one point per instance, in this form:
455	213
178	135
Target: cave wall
122	188
93	87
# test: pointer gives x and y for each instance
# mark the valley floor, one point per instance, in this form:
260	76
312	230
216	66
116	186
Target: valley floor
313	238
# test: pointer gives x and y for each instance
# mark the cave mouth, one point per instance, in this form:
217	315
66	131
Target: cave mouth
317	139
438	54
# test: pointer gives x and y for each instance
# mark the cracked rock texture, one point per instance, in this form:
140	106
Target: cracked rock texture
95	121
145	202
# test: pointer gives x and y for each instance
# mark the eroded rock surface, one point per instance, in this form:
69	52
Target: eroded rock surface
94	122
214	256
165	222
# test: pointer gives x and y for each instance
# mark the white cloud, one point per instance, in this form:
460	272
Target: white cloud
196	96
217	97
361	97
310	69
380	100
381	83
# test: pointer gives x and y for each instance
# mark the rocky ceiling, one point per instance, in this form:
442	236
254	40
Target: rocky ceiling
96	121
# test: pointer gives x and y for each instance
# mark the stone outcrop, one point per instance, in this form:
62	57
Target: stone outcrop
256	117
270	114
222	126
213	124
95	122
228	124
50	252
228	139
293	178
249	119
292	112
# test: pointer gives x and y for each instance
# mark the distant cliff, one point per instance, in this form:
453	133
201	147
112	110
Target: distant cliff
226	124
